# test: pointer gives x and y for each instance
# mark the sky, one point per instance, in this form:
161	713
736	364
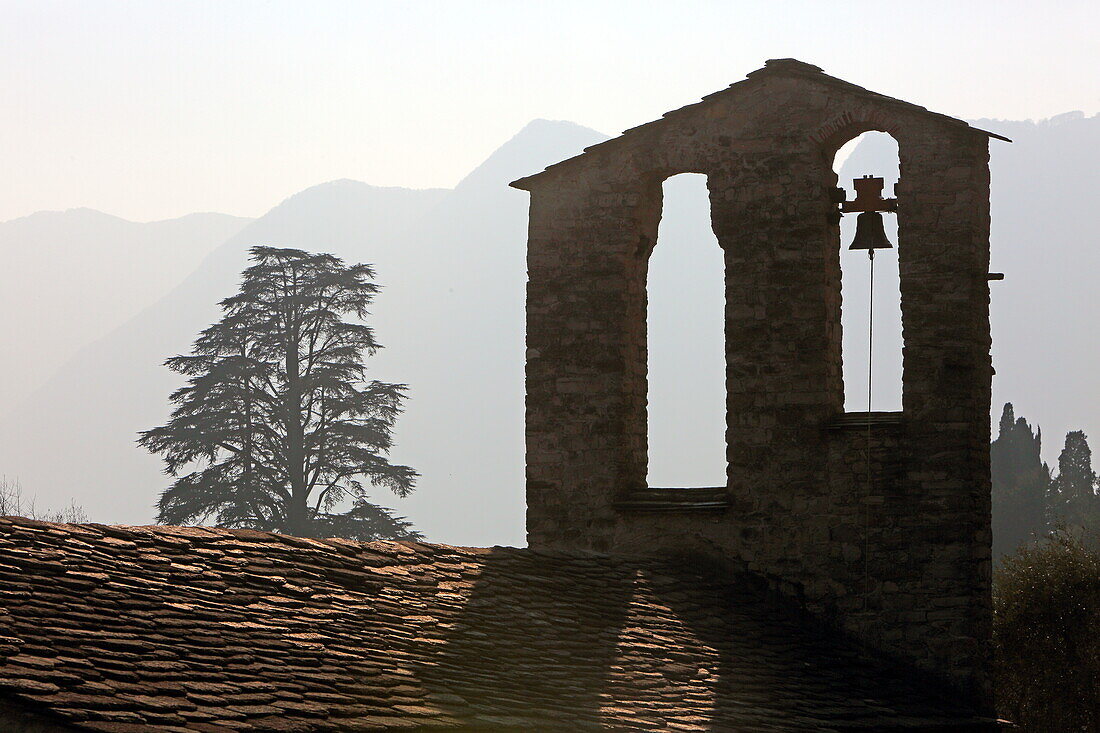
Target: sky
151	110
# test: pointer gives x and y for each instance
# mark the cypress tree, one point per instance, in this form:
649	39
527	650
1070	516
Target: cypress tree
277	427
1020	483
1072	496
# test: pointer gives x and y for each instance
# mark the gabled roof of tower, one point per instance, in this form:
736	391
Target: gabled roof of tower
129	629
772	68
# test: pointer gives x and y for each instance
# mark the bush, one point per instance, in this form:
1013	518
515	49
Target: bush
1046	632
12	503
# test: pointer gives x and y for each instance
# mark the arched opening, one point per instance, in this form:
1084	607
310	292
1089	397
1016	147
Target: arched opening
870	316
686	409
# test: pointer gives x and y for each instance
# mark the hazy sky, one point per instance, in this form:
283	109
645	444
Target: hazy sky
150	110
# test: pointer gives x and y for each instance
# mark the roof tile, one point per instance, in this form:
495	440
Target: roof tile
173	628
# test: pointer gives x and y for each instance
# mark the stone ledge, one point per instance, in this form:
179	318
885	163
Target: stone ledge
703	499
854	420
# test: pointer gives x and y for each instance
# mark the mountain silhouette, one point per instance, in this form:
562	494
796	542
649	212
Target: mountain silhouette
1045	311
73	276
451	317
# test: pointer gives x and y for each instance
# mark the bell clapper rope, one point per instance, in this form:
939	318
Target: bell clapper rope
870	356
870	236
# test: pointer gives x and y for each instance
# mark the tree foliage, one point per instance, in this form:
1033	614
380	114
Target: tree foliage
1072	495
1046	632
1020	482
1046	598
1028	500
277	427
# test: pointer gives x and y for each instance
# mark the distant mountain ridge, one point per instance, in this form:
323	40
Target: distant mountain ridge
533	148
451	316
1045	313
451	266
73	276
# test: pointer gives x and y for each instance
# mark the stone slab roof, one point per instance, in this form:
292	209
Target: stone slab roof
772	67
170	629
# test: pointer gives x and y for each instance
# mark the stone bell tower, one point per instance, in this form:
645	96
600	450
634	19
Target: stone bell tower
878	522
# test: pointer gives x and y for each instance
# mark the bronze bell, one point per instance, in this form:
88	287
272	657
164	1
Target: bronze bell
870	233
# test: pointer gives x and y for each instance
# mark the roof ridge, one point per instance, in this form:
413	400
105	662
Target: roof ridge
201	532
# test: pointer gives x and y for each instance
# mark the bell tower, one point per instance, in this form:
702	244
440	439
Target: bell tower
876	522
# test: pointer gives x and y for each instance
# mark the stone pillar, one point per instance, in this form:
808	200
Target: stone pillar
943	217
782	385
586	361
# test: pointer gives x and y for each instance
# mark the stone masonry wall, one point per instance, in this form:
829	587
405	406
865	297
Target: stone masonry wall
901	561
